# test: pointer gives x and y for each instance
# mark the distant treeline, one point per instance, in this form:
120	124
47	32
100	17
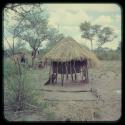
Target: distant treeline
101	53
108	54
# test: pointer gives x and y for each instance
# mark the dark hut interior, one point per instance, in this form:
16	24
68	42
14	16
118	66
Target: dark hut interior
68	68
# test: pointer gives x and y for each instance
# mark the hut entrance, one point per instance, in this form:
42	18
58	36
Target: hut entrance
70	69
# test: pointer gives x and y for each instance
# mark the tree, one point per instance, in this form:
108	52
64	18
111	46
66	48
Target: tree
96	28
119	47
105	35
19	45
89	31
17	8
54	37
10	29
17	93
33	29
118	50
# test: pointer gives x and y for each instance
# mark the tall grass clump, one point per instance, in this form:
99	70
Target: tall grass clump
18	92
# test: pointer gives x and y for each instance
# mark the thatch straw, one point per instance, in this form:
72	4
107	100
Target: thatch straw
68	49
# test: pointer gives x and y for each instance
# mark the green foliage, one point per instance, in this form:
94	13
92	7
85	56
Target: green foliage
54	37
89	31
19	46
50	116
106	34
103	54
103	35
9	68
7	52
30	83
33	27
17	90
119	48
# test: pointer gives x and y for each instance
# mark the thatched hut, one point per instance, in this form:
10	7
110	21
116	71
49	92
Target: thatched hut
69	57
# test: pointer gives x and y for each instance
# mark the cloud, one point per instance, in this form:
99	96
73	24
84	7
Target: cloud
66	18
69	20
69	30
85	7
83	41
105	20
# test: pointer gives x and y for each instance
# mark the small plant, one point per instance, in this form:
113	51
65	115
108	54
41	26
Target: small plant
97	113
50	116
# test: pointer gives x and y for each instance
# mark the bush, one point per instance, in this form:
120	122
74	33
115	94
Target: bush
17	90
102	54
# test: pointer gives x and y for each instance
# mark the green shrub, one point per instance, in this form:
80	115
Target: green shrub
107	55
17	90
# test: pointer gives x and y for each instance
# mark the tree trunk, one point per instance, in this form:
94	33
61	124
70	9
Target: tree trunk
75	71
91	46
33	61
62	75
33	57
71	71
51	72
56	72
66	70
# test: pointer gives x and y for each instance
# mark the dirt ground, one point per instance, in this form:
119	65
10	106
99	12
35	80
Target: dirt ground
85	106
66	103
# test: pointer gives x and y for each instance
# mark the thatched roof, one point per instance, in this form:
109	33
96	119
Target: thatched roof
68	49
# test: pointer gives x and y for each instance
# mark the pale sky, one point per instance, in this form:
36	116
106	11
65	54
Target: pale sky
67	18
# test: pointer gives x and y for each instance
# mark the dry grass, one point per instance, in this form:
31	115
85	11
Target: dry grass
68	49
107	85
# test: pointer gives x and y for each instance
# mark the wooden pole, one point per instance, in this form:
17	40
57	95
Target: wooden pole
51	74
82	72
87	71
57	72
66	70
75	71
61	70
71	71
82	69
62	73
